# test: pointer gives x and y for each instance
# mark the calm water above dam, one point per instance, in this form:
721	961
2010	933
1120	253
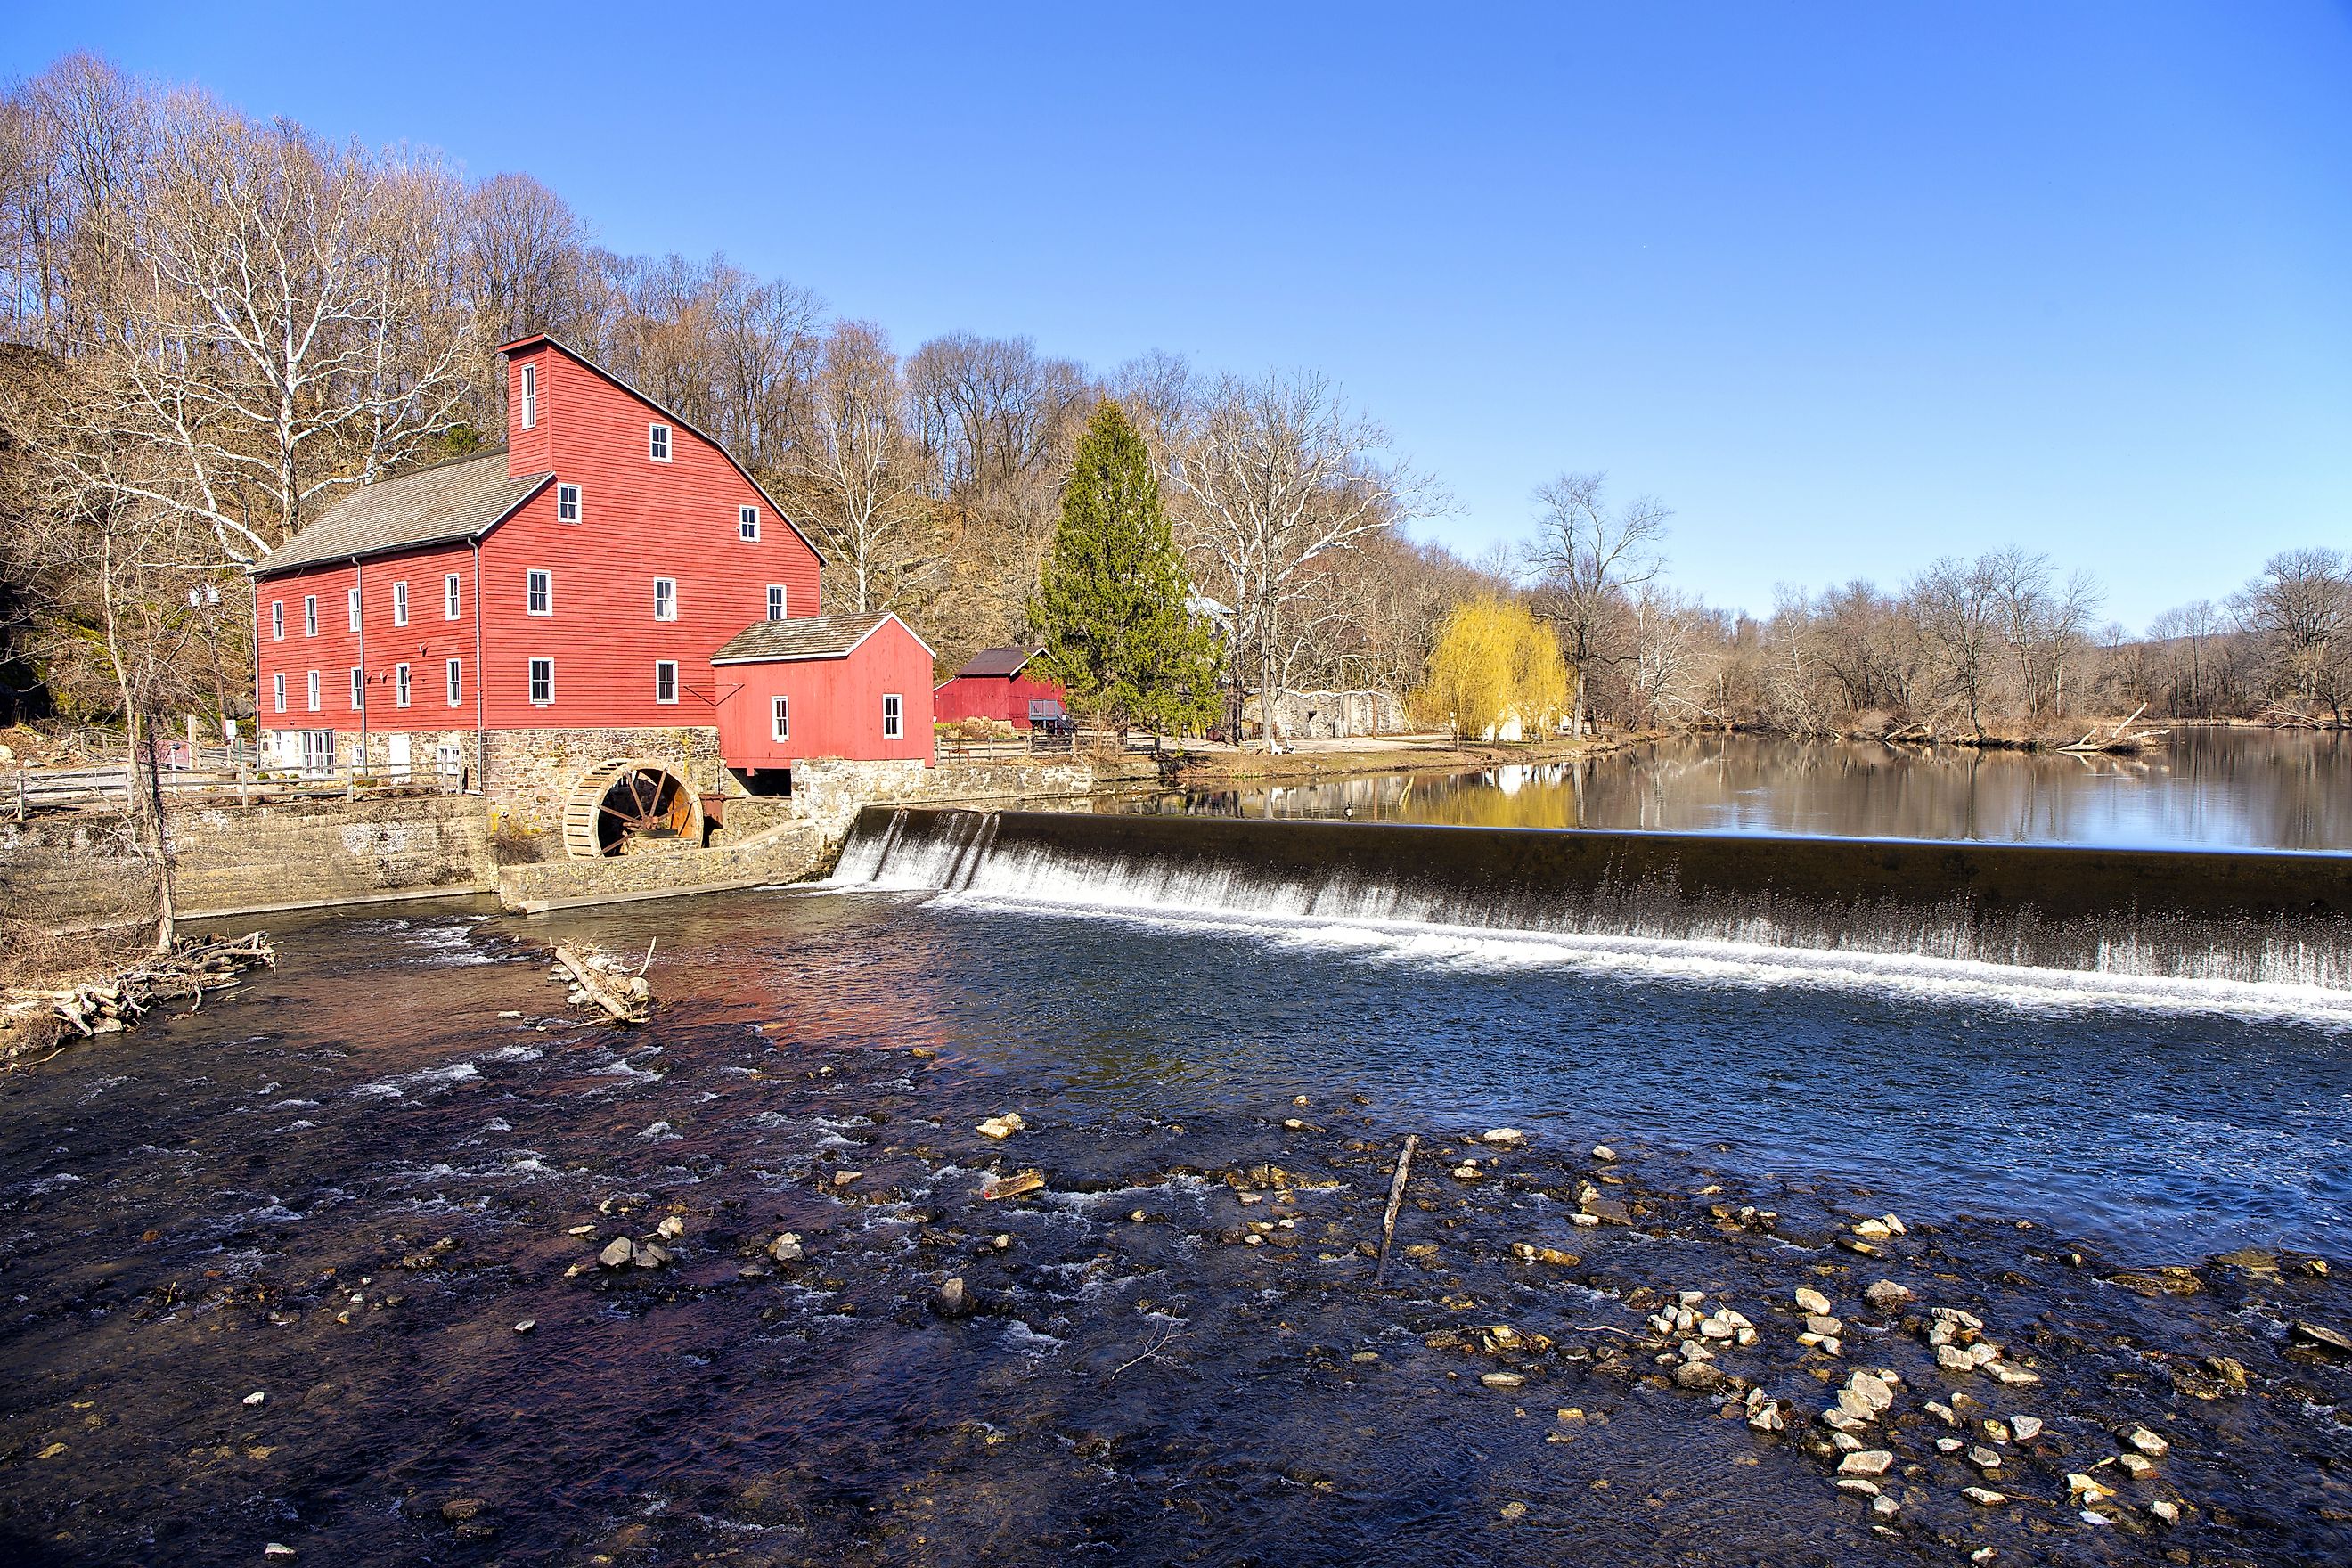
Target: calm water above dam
2202	788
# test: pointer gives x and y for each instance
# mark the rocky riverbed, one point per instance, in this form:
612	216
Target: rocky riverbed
778	1279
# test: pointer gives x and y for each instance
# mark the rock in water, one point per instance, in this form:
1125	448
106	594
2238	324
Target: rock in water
2311	1336
1886	1296
1811	1302
1866	1462
1604	1153
1505	1138
786	1248
2025	1428
617	1252
954	1299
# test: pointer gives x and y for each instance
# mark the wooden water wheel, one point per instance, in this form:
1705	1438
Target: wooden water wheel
630	805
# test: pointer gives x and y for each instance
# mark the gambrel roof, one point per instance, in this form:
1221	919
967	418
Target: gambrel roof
440	505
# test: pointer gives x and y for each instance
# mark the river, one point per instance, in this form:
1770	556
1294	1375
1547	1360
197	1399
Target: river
2211	788
345	1186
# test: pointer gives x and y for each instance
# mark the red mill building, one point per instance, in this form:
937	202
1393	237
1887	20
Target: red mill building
542	622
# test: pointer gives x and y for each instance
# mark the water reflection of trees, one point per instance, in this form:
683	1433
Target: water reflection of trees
2221	787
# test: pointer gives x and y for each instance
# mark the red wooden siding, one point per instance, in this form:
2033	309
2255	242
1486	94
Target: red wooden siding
640	519
837	704
992	697
423	644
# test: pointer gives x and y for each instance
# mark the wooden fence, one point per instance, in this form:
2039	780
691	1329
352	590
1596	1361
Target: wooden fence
37	789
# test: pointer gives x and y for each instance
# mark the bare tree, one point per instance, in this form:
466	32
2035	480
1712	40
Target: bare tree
2300	610
277	341
1958	605
854	475
1278	474
1585	558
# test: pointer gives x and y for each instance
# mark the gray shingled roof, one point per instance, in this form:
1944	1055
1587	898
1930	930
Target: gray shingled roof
1004	661
803	636
464	499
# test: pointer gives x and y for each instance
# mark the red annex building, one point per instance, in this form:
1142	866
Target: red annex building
991	686
540	615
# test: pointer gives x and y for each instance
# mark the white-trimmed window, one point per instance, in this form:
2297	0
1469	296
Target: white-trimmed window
542	680
400	603
747	522
314	691
775	601
664	598
352	604
894	716
277	620
399	686
780	718
665	681
277	691
310	615
530	396
456	673
359	687
453	597
538	592
657	442
567	503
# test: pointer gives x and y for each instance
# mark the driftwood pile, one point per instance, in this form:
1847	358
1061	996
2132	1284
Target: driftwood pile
189	970
601	981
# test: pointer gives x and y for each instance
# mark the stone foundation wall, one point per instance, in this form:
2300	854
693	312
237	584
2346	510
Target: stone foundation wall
77	868
532	772
552	884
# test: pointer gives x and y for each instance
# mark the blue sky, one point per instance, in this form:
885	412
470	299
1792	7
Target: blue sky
1847	285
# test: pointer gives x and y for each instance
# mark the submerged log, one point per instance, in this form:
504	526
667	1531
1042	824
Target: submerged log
604	981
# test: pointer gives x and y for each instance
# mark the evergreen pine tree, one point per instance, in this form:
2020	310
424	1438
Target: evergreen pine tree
1110	600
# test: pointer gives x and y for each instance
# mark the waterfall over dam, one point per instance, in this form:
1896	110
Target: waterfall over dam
2278	922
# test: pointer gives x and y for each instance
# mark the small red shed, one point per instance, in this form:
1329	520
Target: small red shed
854	687
991	686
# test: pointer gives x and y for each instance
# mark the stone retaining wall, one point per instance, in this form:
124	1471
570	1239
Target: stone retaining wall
77	868
552	884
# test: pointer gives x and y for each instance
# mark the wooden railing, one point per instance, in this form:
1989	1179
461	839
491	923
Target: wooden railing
37	789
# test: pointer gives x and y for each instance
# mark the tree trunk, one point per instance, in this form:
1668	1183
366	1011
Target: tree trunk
167	873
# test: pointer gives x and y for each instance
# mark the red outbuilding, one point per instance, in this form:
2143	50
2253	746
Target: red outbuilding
855	687
991	686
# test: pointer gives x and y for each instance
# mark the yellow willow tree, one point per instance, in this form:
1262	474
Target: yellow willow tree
1495	673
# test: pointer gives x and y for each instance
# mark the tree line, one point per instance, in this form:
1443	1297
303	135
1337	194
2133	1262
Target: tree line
216	326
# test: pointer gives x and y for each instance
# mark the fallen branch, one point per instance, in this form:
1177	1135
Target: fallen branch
1396	1197
108	1006
624	997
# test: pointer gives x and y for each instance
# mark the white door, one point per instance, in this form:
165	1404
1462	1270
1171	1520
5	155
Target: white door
395	758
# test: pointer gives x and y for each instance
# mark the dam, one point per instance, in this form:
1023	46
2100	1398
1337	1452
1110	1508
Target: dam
2265	930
